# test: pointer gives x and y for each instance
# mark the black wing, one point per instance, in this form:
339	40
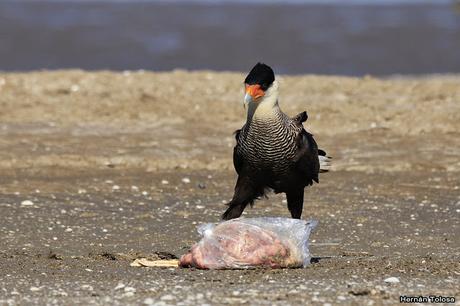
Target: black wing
238	160
306	159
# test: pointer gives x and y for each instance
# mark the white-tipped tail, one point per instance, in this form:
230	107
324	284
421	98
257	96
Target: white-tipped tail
324	161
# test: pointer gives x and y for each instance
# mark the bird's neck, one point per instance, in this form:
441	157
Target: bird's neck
263	110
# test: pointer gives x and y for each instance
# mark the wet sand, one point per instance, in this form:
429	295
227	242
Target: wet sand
92	177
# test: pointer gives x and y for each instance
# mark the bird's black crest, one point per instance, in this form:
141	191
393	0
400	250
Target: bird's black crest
262	75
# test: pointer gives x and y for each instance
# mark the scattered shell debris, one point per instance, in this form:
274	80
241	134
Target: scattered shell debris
27	203
144	262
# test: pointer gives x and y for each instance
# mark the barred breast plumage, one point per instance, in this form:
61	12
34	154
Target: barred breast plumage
268	143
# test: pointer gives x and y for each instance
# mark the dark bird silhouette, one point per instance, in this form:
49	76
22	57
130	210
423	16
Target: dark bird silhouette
273	151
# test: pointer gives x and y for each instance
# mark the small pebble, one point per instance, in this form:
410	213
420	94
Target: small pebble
130	289
87	287
186	180
27	203
391	280
167	297
115	187
164	182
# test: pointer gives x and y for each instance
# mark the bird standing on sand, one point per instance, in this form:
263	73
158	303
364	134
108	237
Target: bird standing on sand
272	150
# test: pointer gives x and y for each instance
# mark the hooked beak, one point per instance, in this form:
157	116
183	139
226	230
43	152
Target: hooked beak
247	99
253	93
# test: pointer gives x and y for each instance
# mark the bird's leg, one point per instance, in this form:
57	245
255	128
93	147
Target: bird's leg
245	194
295	202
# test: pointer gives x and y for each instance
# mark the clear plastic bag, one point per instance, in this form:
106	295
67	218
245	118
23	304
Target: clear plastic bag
250	243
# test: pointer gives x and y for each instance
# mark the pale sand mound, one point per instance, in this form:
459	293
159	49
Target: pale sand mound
166	120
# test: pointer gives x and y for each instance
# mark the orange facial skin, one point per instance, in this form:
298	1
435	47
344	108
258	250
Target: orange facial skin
255	91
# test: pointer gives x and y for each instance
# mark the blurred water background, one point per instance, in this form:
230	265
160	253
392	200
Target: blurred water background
325	37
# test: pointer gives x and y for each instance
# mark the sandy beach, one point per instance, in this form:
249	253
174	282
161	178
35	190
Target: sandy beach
93	176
